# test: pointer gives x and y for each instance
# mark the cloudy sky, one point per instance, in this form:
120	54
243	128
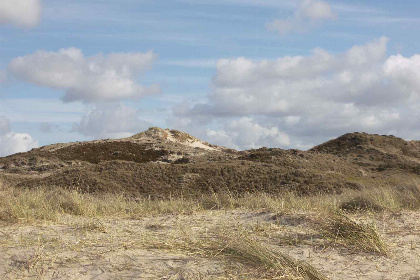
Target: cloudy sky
239	73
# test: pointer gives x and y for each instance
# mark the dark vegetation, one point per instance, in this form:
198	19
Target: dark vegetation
375	152
99	152
359	203
151	165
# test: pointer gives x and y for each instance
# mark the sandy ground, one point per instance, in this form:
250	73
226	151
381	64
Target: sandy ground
146	248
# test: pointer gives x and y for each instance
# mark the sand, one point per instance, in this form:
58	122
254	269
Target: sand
83	248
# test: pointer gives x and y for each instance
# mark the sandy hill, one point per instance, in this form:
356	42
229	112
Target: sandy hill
377	152
162	162
175	137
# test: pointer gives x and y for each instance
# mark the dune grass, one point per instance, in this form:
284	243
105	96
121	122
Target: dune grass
244	248
340	229
28	205
240	249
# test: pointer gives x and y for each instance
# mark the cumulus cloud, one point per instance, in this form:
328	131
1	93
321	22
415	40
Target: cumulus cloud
405	73
12	142
240	133
111	121
313	98
291	84
310	13
245	133
95	78
22	13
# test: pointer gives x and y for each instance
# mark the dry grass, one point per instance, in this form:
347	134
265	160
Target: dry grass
360	203
340	229
245	256
244	248
28	205
25	205
246	251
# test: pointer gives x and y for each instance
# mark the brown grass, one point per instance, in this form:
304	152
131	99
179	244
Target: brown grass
244	248
360	203
243	253
49	204
340	229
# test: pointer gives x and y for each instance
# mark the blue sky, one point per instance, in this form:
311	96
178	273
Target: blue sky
203	88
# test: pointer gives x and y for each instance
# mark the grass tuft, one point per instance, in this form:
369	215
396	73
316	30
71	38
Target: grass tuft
341	230
359	203
243	252
243	248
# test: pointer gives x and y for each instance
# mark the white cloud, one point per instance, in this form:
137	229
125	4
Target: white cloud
111	121
22	13
405	73
236	133
310	13
88	79
311	98
292	83
12	142
245	133
316	10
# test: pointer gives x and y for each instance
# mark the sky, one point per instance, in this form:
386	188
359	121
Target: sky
238	73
